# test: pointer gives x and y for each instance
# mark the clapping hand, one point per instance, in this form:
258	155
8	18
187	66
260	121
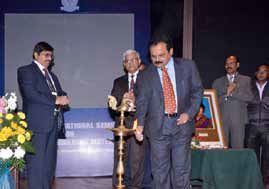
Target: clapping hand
231	87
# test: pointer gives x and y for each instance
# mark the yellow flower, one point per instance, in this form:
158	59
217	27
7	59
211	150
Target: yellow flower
6	131
2	137
20	130
1	121
21	115
9	116
28	136
14	125
1	115
24	124
21	139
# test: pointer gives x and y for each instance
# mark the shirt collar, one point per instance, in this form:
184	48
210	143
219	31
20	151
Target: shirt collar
263	85
232	75
40	66
170	64
134	74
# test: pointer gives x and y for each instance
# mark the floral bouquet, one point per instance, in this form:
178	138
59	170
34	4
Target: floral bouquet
195	143
14	136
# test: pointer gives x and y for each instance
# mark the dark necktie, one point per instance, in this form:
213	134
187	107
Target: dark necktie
132	83
168	92
49	81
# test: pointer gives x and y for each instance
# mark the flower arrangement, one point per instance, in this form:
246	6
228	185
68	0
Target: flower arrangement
14	136
195	143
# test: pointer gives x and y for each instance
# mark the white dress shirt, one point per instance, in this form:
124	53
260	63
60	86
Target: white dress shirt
260	88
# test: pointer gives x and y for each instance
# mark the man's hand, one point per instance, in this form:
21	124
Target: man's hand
139	133
183	118
231	87
129	95
62	100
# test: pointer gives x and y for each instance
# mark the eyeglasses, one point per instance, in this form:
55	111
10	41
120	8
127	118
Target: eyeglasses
131	60
47	54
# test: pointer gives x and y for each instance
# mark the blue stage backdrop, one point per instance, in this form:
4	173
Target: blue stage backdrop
89	38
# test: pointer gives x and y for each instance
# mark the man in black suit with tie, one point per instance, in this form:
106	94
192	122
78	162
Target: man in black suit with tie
42	97
168	96
123	87
257	131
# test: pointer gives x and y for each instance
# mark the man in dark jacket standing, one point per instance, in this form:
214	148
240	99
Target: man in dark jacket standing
42	97
257	131
123	87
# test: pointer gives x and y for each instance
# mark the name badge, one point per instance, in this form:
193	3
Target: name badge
54	93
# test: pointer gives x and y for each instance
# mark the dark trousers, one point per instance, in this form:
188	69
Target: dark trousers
257	138
134	155
147	180
171	156
41	165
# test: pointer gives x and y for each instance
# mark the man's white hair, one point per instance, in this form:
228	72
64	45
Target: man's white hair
130	51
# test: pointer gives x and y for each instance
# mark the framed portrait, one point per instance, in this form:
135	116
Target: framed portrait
208	124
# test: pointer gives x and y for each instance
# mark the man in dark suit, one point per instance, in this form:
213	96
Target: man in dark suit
233	92
42	97
257	131
168	96
123	87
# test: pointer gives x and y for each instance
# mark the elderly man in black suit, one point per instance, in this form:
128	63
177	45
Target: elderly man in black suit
123	87
42	97
168	96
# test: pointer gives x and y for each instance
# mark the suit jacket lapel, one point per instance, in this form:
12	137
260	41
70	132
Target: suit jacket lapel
180	82
179	73
156	81
266	88
125	84
41	76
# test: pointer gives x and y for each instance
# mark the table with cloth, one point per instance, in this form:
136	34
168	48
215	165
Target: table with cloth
226	169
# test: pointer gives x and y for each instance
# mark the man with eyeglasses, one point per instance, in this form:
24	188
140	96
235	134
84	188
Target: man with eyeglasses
124	87
42	97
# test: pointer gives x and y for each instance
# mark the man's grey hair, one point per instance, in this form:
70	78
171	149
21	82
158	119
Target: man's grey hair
130	51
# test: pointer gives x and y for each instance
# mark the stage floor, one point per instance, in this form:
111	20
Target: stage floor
82	183
78	183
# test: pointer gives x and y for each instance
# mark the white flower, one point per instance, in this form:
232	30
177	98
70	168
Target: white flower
11	100
19	153
13	94
6	153
12	105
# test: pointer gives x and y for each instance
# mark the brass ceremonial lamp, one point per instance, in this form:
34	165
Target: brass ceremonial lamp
121	131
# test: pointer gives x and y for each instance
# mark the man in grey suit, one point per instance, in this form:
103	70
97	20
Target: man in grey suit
168	95
233	92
